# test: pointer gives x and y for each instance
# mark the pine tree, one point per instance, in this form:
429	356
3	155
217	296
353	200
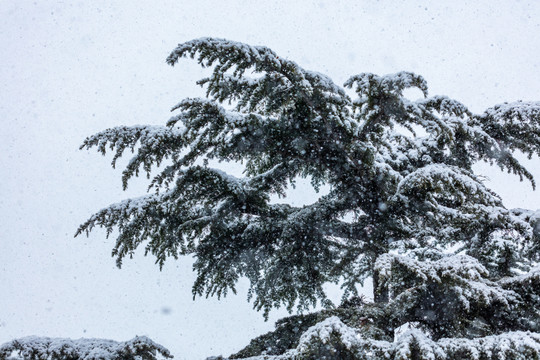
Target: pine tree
404	208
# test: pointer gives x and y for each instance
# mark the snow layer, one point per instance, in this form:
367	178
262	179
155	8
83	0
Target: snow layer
43	348
413	344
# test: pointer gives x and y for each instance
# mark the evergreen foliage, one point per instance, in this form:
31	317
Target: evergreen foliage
42	348
404	207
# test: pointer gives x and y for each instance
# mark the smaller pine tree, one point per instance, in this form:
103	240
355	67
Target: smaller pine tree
43	348
405	208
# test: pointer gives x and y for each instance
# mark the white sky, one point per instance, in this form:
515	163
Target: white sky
69	69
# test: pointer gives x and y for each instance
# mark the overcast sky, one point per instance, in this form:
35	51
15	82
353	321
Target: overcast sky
69	69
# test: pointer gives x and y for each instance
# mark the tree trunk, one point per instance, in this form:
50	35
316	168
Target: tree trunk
380	293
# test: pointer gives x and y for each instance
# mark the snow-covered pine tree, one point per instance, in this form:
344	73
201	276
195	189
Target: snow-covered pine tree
404	207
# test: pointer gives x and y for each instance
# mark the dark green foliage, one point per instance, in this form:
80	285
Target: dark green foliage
404	205
332	339
369	318
285	337
332	349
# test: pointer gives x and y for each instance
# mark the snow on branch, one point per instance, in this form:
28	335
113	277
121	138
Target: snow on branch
231	54
528	281
450	199
155	143
519	111
333	339
367	83
283	87
43	348
460	275
213	49
516	126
